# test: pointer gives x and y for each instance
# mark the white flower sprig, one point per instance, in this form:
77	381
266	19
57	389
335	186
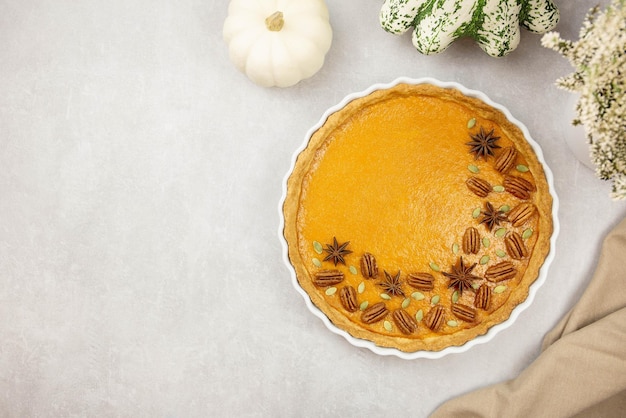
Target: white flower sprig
599	59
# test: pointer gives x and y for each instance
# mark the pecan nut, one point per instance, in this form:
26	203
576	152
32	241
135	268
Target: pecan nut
501	271
515	246
325	278
434	318
404	321
506	159
480	187
521	213
483	297
471	241
421	281
369	267
518	187
464	312
347	296
374	313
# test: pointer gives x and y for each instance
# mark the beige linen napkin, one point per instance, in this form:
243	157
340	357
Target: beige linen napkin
581	370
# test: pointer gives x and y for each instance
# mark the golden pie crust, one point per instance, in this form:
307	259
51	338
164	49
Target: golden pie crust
388	173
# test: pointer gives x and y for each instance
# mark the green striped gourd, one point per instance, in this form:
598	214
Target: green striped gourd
494	24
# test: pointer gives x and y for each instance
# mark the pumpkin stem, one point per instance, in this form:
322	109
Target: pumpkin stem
275	21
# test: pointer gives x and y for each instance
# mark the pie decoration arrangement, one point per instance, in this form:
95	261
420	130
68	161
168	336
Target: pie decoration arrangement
417	217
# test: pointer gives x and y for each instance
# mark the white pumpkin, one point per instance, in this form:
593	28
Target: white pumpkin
278	42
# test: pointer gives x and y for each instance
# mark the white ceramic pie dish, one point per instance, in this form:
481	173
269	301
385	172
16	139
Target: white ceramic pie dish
385	351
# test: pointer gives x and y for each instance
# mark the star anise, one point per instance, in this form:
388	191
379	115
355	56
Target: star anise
492	217
461	276
483	144
337	252
392	285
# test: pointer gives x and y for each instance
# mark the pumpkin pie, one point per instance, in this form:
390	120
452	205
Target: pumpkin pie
417	217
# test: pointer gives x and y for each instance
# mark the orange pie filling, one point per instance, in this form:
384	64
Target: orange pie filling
417	217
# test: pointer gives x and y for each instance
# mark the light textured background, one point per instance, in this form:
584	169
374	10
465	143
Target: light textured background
140	175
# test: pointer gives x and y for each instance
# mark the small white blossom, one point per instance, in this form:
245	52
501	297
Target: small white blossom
599	59
551	40
619	188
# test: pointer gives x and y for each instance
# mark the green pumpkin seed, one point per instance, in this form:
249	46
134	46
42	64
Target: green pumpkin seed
434	266
364	305
455	248
486	242
500	232
387	325
476	213
455	296
361	287
453	323
474	169
353	270
471	123
484	260
406	302
316	262
499	289
500	253
385	296
527	233
505	208
522	168
318	247
434	300
475	286
417	295
331	291
419	315
498	188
